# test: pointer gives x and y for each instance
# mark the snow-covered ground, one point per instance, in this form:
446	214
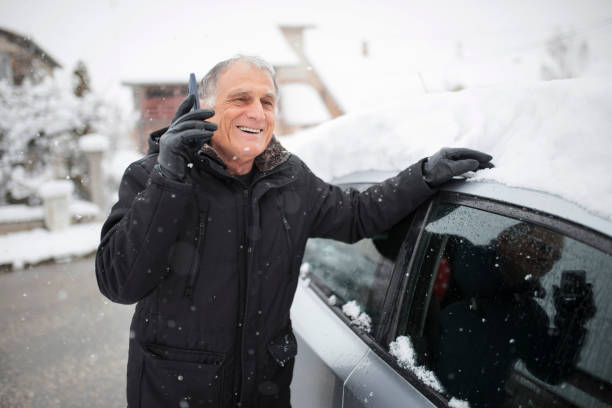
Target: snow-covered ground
19	249
23	213
31	247
551	136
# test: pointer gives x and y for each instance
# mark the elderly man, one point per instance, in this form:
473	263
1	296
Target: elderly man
208	236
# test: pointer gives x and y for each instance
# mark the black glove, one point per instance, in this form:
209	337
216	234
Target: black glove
573	300
449	162
185	136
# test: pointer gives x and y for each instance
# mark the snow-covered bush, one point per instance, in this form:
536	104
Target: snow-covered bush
40	125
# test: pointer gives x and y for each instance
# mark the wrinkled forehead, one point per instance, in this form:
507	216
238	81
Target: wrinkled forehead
243	77
249	92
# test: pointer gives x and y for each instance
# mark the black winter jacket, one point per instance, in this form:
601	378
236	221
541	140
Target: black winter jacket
214	266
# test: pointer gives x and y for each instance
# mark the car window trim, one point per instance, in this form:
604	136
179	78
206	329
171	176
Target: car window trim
398	283
396	290
557	224
560	225
324	292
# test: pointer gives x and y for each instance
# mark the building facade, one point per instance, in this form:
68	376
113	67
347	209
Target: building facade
22	58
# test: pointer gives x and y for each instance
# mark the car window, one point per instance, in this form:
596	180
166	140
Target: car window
355	277
508	313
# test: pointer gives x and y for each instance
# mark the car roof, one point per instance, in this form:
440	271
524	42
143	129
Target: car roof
522	197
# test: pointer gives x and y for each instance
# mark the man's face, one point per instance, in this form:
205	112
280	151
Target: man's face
244	112
533	254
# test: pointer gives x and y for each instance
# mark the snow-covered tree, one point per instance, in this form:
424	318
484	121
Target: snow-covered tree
40	124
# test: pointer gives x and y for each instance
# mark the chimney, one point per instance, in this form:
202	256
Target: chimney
365	48
295	37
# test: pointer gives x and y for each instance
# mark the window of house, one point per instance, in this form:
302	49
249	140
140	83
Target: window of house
508	313
159	92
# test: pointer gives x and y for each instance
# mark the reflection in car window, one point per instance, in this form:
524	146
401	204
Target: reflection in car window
507	313
354	272
358	272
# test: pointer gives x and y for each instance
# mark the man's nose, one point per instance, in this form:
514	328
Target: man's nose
256	111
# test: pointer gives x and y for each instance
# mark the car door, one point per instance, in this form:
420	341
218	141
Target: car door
499	306
338	311
380	379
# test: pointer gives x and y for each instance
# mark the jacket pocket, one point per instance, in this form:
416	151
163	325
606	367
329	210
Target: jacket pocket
195	264
284	221
173	377
283	348
273	388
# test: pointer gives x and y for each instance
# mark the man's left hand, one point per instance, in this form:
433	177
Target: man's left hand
450	162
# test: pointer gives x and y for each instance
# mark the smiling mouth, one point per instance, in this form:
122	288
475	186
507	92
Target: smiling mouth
252	131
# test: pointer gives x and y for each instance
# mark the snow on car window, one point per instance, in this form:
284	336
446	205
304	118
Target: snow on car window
457	403
405	355
358	318
305	270
460	222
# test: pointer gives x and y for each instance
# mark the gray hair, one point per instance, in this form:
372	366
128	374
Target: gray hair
209	84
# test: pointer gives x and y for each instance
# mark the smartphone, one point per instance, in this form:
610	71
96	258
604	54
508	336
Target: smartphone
574	285
193	90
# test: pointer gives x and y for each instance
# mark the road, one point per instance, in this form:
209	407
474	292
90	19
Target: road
62	344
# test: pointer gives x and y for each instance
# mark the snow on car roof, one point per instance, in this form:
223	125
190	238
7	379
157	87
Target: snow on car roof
553	137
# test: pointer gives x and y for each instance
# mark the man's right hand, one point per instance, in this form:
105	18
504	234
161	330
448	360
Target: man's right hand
450	162
187	133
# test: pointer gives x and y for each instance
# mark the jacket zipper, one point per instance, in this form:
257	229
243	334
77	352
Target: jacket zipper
240	385
243	291
286	225
195	265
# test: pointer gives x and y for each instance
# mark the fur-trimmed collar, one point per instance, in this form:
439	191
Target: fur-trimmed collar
274	155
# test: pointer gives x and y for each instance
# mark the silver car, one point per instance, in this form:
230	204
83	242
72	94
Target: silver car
486	296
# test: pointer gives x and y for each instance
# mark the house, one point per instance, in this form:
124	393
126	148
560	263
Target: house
22	58
156	102
304	74
300	86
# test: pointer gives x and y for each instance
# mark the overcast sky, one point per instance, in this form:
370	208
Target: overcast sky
138	40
